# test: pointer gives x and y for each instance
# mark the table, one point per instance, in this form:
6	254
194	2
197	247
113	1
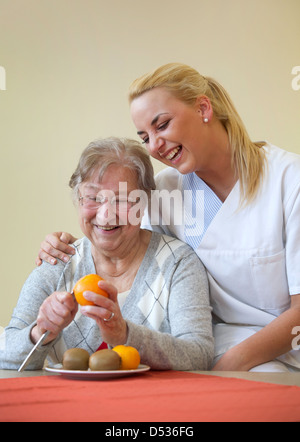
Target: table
169	396
273	378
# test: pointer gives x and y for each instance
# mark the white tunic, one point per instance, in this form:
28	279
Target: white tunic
251	253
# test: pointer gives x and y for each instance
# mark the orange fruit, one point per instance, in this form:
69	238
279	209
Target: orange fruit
130	357
88	283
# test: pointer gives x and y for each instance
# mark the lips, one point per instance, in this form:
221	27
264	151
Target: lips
107	228
172	154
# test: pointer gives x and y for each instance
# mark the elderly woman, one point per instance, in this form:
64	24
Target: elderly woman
158	289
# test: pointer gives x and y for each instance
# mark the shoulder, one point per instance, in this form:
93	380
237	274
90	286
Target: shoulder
83	251
56	277
166	247
168	178
283	170
178	263
45	277
282	161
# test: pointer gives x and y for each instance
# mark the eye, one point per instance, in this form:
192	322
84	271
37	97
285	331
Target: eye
145	140
91	198
164	125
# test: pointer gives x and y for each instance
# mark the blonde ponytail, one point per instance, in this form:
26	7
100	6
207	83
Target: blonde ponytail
248	158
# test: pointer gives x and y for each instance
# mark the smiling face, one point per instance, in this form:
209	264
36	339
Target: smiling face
108	227
173	132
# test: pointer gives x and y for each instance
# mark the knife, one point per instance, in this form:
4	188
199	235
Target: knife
37	345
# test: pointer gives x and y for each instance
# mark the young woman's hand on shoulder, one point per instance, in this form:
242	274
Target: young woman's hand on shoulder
56	246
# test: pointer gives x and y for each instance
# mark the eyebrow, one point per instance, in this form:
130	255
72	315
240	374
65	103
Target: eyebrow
89	187
92	186
154	121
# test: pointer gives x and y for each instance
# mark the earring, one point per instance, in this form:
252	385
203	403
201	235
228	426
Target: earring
205	120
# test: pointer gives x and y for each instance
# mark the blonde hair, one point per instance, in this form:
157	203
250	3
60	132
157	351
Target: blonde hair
186	84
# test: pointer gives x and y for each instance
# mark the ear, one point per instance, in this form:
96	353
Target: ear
204	107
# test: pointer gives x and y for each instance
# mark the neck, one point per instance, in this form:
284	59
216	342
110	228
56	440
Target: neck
221	182
219	173
121	266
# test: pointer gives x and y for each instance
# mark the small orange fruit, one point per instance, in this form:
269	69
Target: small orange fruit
130	357
88	283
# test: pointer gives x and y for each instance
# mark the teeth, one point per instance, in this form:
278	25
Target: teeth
173	153
106	228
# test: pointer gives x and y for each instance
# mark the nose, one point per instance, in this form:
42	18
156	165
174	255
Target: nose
106	214
156	142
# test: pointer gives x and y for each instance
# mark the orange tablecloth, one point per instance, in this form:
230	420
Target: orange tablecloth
152	397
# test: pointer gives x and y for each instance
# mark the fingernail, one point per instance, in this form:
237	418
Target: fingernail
66	258
52	261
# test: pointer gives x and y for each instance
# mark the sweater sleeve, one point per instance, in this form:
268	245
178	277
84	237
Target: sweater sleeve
190	344
15	341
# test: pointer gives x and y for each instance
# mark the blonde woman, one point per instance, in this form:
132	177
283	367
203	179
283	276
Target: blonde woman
241	213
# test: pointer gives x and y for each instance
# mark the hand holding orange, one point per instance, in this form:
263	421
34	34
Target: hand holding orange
88	283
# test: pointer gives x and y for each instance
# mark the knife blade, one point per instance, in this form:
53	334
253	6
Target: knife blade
37	345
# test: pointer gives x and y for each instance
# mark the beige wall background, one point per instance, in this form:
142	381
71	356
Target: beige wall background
68	65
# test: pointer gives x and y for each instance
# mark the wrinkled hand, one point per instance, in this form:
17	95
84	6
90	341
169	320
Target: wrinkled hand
56	246
55	314
114	332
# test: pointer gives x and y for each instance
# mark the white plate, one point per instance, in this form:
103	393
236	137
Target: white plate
96	375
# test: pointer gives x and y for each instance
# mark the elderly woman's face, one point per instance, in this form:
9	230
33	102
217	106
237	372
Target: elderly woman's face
104	208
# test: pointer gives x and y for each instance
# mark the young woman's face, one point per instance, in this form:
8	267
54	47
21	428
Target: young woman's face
173	132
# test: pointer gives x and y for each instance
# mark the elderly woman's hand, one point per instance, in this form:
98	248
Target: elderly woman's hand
107	314
55	314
